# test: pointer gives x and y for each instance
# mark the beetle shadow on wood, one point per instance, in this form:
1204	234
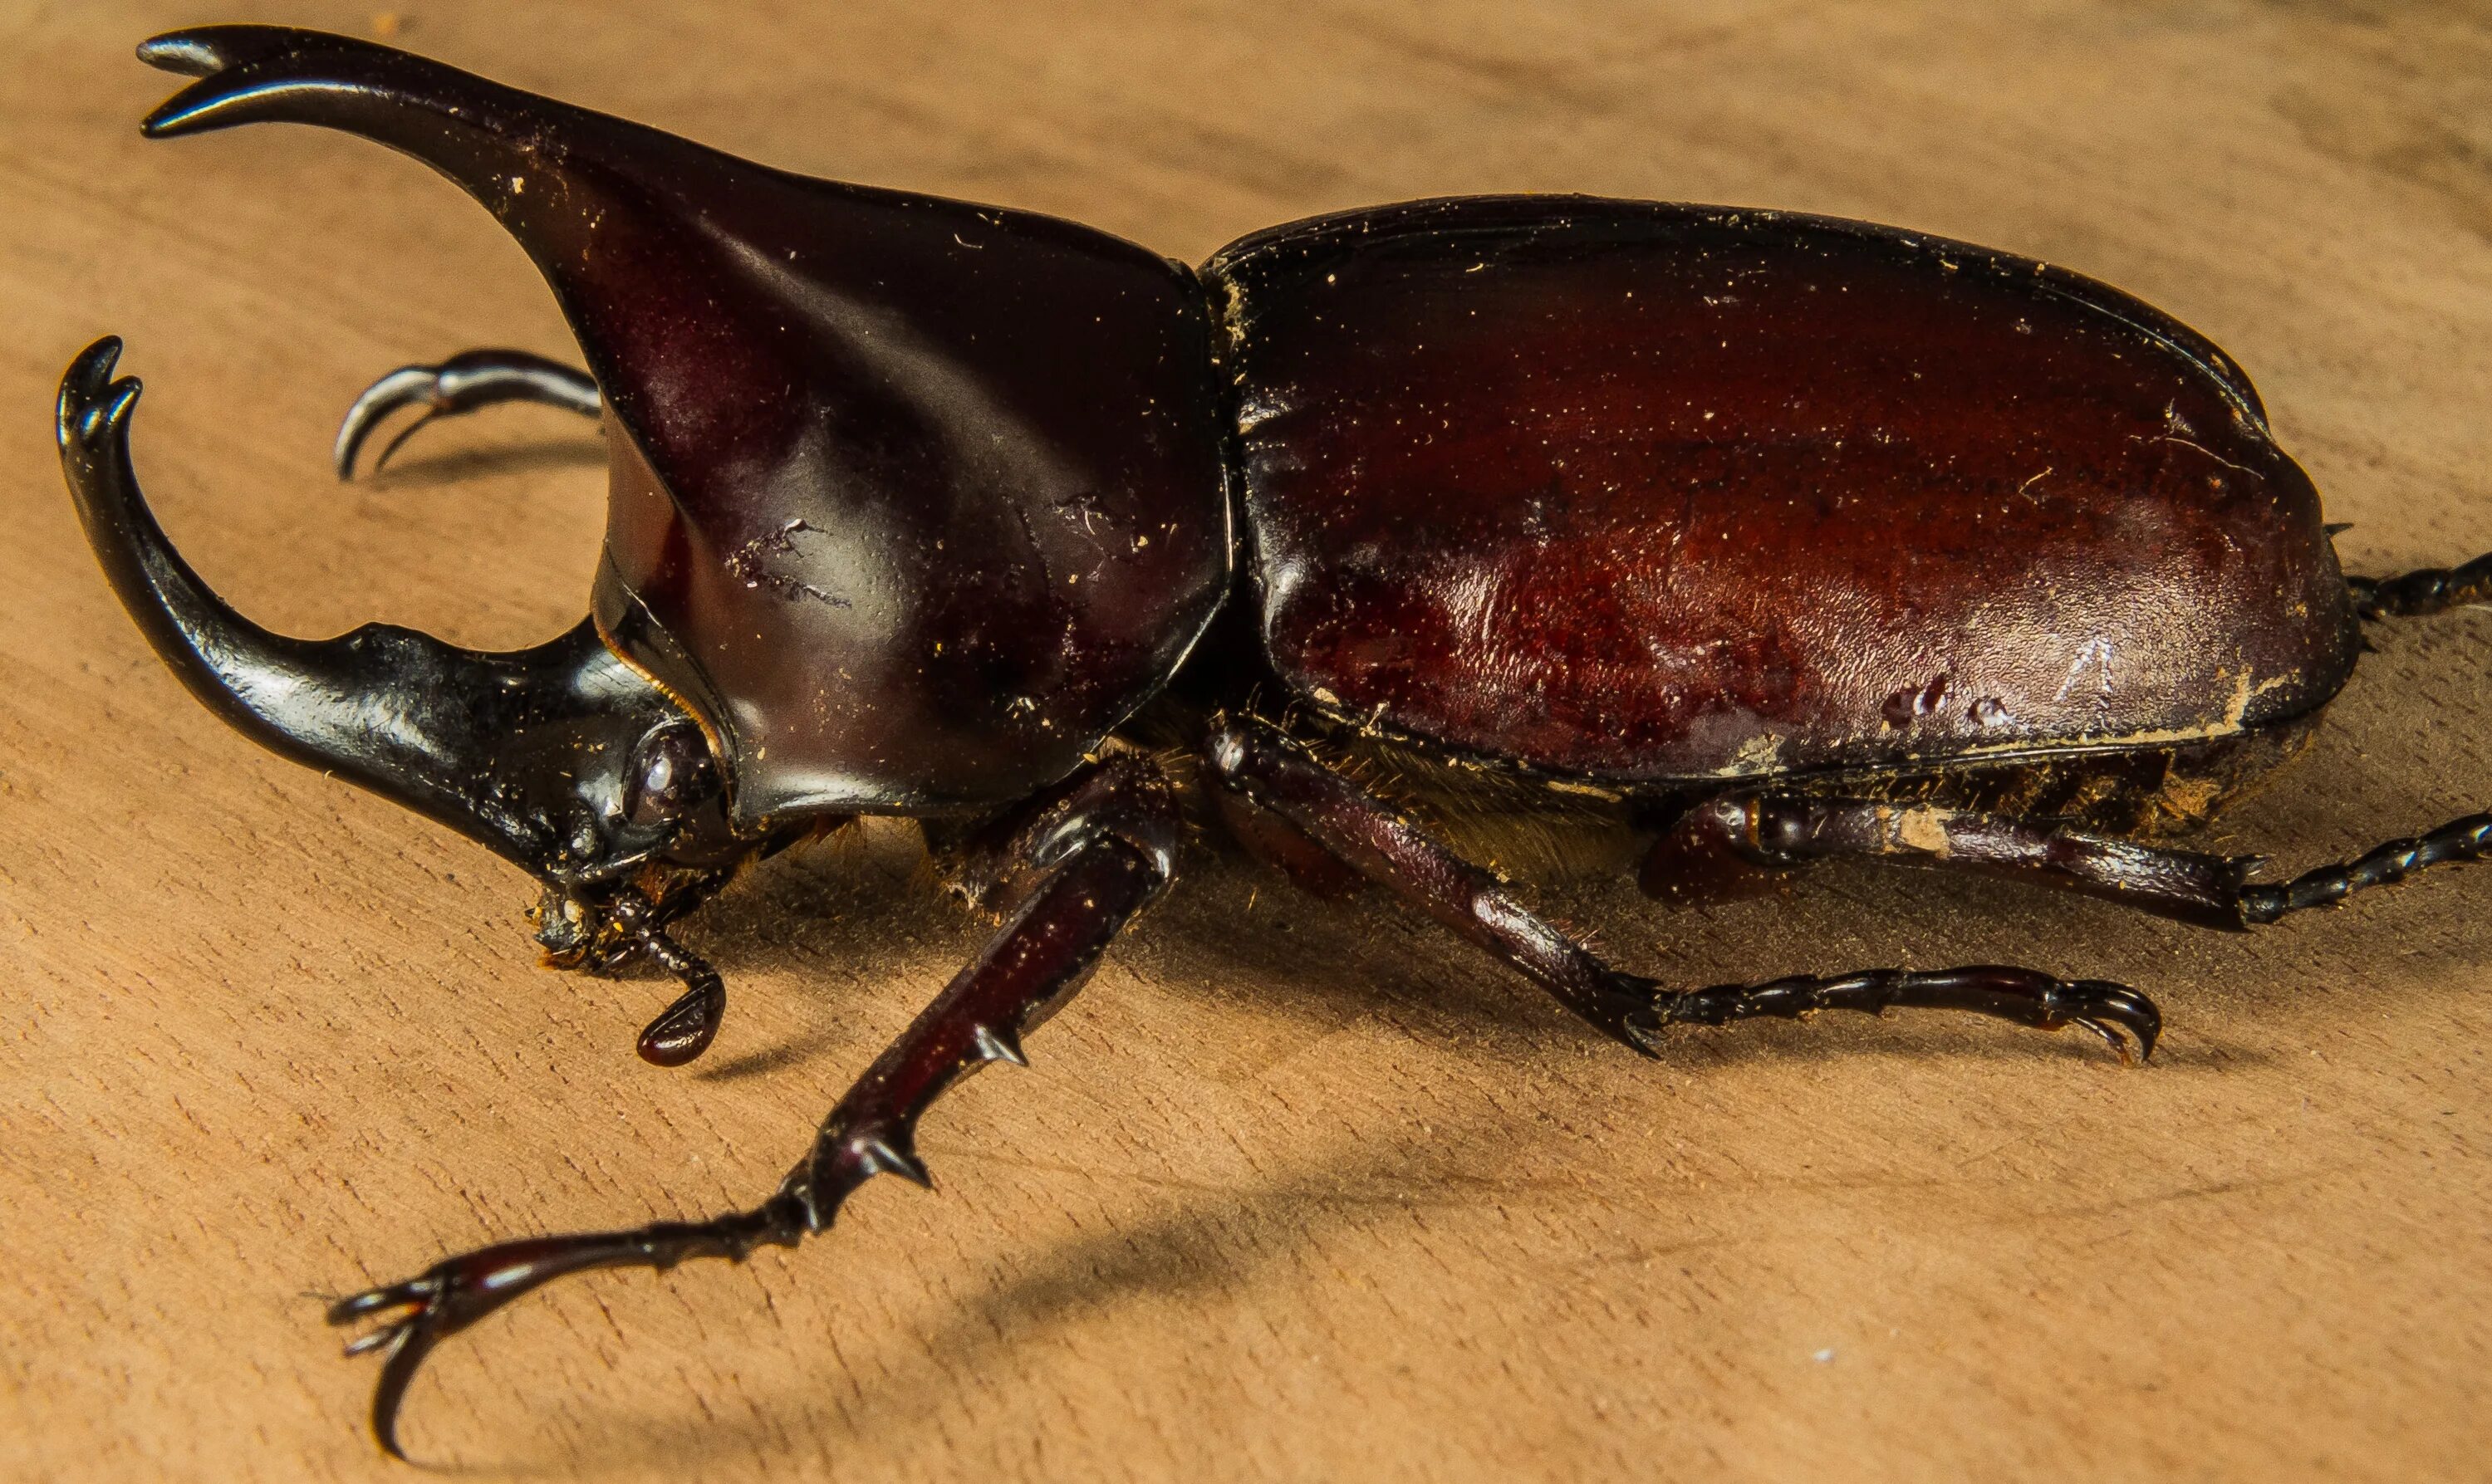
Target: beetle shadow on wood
1314	966
437	467
1189	1250
1317	966
836	913
879	1391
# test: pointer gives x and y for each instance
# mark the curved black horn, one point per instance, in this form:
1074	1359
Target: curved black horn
510	749
649	240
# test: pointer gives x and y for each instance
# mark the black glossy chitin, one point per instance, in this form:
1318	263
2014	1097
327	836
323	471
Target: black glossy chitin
1770	537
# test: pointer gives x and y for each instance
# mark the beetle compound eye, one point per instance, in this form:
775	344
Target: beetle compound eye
671	775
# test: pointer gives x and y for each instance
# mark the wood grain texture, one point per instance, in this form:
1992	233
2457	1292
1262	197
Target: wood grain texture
1294	1190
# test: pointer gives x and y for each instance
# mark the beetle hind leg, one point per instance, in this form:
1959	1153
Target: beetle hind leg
2430	590
1784	831
465	382
1268	770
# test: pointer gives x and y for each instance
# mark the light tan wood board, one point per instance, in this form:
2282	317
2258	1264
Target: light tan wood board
1294	1191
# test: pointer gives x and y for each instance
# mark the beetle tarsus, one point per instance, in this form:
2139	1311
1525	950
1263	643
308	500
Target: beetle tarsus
465	382
2429	590
2126	1020
2458	840
1122	832
449	1295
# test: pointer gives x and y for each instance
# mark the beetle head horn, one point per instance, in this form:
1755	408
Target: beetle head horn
530	752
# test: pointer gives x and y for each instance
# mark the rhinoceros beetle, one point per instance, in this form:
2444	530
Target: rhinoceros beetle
1773	536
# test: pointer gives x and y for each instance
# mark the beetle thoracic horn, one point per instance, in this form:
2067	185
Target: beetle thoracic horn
803	372
426	724
601	205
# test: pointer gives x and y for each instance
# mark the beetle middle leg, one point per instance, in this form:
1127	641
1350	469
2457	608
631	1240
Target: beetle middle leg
1071	872
1271	771
465	382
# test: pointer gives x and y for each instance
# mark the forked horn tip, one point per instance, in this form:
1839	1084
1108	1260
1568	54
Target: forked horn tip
91	401
209	53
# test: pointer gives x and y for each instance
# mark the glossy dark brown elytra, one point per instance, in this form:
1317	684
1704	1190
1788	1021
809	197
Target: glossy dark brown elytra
1768	537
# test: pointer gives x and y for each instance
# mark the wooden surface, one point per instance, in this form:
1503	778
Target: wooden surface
1294	1191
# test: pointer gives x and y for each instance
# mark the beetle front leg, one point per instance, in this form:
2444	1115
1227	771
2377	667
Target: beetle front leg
466	381
1274	772
1080	872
